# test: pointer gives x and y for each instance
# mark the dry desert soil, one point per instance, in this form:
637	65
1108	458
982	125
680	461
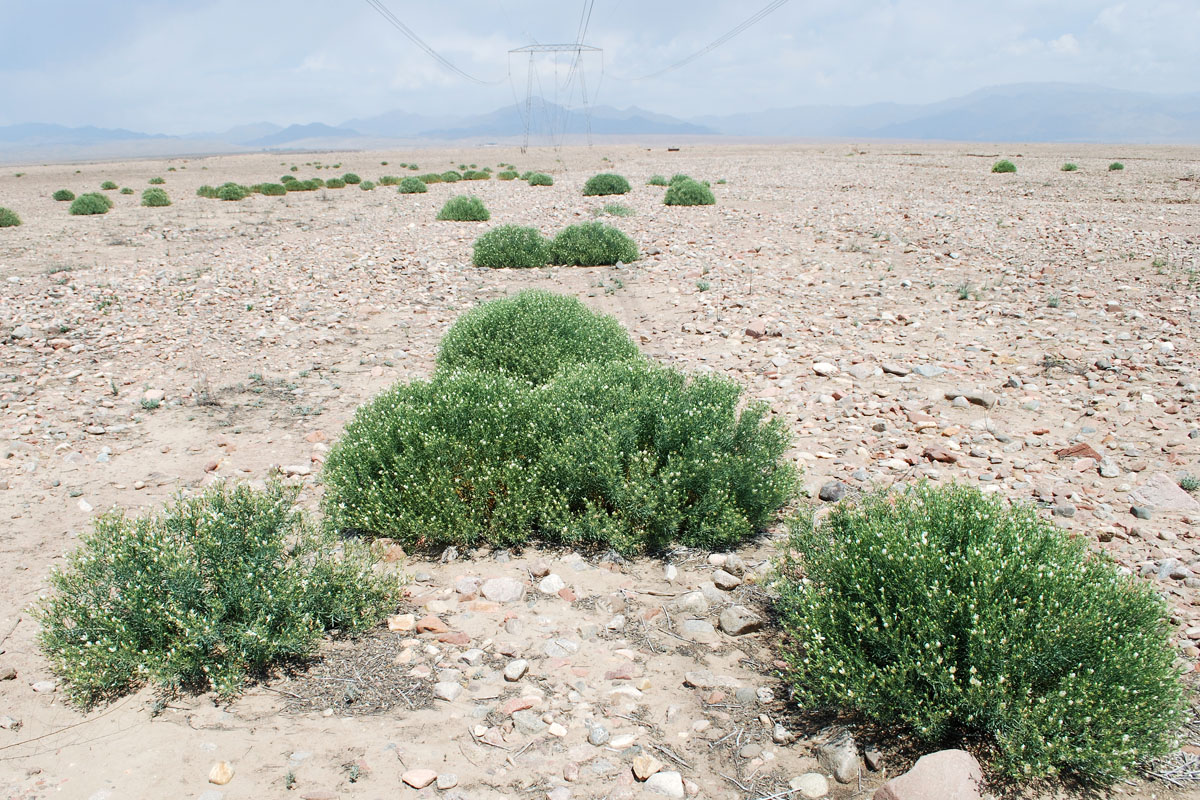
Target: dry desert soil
908	313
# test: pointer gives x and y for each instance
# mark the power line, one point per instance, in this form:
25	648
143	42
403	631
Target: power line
412	37
754	18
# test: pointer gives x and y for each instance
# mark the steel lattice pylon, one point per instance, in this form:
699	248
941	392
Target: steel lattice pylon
534	49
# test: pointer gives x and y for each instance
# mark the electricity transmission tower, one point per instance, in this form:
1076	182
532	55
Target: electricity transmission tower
533	50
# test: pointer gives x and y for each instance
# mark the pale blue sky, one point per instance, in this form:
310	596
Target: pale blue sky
175	67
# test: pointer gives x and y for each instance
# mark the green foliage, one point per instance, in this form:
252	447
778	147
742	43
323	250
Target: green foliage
507	175
90	203
272	189
9	218
591	244
157	181
464	208
431	177
1116	166
367	186
678	177
618	210
286	179
63	195
411	185
294	168
207	191
476	175
958	616
605	183
108	186
656	180
203	595
126	190
232	191
1189	483
1069	167
450	176
688	193
511	246
1004	166
302	186
389	180
540	179
414	168
336	183
351	179
527	174
155	198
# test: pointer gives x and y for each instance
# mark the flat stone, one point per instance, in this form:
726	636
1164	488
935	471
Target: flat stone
8	673
502	590
431	624
1161	493
221	773
1141	512
824	369
560	648
946	775
703	679
447	691
975	397
812	785
551	584
699	630
1080	450
892	368
738	620
597	735
419	778
402	623
515	670
928	370
645	765
669	784
726	581
528	723
695	602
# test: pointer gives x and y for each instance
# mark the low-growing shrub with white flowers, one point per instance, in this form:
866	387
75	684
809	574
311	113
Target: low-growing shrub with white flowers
203	595
961	617
580	442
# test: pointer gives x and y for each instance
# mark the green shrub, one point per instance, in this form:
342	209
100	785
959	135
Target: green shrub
319	182
286	179
1116	166
63	195
1069	167
591	244
688	193
90	203
617	210
294	168
414	168
9	218
678	177
302	186
531	336
155	198
507	175
335	183
1004	166
157	181
411	185
431	177
203	595
510	246
126	190
389	180
960	617
476	175
450	176
367	186
272	189
540	179
232	191
207	191
108	186
351	179
656	180
464	208
605	183
526	175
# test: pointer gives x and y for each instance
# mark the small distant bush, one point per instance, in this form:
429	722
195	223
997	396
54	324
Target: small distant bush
656	180
203	595
335	183
108	186
207	191
294	168
90	203
232	191
157	181
476	175
302	186
464	208
389	180
450	176
126	190
1116	166
1069	167
155	198
678	177
605	183
511	247
507	175
9	218
591	244
287	179
414	168
351	179
367	186
431	177
689	193
540	179
63	195
526	175
618	210
1004	166
411	185
960	617
272	189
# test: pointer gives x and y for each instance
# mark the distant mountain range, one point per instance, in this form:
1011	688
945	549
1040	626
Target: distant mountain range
1034	112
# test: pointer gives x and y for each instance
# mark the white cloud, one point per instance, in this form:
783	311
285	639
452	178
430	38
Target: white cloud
1066	45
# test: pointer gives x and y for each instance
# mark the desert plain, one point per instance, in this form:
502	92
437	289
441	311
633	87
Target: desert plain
909	314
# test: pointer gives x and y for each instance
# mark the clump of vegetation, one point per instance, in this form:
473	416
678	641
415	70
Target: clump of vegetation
450	176
511	247
232	191
335	183
302	186
1069	167
605	183
1189	483
540	179
351	179
678	177
155	198
367	186
207	593
476	175
207	191
1116	166
507	175
9	218
412	185
1004	165
272	189
286	179
90	203
617	210
431	177
63	195
157	181
389	180
414	168
656	180
1023	638
126	190
591	244
464	208
609	452
688	192
108	186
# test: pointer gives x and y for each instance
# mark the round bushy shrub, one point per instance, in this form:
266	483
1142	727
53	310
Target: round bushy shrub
531	336
367	186
126	190
689	193
1004	165
108	186
203	595
335	183
961	617
414	168
157	181
155	198
351	179
464	208
63	195
286	179
1116	166
540	179
431	177
476	175
656	180
605	183
389	180
591	244
90	203
207	191
507	175
450	176
232	191
303	186
678	177
1069	167
411	185
511	246
9	218
272	189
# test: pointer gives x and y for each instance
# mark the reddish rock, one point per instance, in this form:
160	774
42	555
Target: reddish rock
566	594
1081	450
757	329
946	775
621	673
517	704
454	637
431	624
935	453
